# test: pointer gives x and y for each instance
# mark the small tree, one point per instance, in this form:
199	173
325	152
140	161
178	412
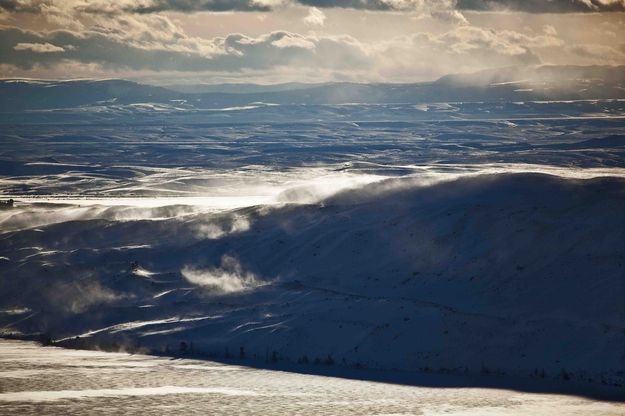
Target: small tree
45	339
565	375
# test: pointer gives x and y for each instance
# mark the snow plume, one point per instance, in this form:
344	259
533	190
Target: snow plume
32	215
79	296
322	187
218	227
229	278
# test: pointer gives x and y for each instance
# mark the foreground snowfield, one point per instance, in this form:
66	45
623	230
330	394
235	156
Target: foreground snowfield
450	245
54	381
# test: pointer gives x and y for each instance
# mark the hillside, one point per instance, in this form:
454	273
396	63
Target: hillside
519	274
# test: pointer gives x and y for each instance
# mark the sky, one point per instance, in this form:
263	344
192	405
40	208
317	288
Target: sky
275	41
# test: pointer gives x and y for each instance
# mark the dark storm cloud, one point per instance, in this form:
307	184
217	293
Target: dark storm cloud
543	6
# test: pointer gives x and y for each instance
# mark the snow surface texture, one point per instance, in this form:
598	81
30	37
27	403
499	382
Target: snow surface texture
451	243
55	381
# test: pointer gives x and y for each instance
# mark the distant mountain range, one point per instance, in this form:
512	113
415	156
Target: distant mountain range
505	84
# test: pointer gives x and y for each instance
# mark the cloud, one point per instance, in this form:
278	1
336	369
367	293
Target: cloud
193	6
543	6
380	5
229	278
549	30
450	16
294	41
38	47
70	12
439	9
418	56
63	8
22	6
116	43
504	42
315	17
136	6
169	50
462	49
189	6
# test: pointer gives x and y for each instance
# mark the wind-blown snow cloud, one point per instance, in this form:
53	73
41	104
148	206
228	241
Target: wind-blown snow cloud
590	53
79	296
229	278
215	228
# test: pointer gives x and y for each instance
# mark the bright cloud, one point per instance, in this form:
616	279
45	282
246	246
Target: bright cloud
38	47
315	17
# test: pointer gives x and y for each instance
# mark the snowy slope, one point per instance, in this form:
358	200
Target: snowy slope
514	273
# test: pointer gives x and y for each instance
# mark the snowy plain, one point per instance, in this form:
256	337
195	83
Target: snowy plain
462	239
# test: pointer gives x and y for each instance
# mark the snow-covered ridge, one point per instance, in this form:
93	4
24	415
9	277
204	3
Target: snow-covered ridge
499	85
513	273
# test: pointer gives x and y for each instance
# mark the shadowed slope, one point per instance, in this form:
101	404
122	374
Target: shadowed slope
517	274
